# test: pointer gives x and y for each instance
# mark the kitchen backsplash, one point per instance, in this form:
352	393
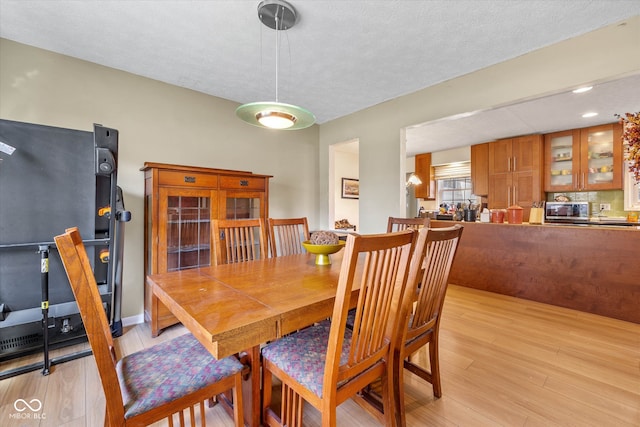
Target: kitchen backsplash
614	197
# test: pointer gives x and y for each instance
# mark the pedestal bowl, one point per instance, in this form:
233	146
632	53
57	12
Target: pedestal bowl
322	252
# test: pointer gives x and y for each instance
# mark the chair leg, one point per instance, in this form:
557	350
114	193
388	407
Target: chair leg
396	386
266	395
238	414
434	361
390	397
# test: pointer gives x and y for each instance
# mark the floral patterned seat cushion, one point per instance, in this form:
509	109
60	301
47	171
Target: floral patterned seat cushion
302	354
168	371
351	318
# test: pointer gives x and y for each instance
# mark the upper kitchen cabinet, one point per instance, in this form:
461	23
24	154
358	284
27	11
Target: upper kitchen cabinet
584	159
515	172
480	169
424	171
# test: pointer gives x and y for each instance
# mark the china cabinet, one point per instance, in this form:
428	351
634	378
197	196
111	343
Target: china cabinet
515	172
584	159
180	203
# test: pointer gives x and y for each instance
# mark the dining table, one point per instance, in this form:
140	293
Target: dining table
232	309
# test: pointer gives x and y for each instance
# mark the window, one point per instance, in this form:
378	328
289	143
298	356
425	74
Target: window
455	191
453	183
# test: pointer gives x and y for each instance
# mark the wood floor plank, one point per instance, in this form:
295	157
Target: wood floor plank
65	393
504	362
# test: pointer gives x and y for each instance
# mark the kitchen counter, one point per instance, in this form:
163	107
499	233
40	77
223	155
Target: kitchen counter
588	268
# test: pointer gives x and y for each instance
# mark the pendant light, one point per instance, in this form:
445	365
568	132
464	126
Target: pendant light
280	16
413	180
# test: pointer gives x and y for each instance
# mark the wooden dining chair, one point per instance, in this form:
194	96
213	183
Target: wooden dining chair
399	224
326	363
434	263
430	267
157	382
238	240
286	235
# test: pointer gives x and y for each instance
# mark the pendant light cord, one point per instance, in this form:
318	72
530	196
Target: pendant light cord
278	46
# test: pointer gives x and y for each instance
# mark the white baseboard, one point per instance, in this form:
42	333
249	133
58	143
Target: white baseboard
133	320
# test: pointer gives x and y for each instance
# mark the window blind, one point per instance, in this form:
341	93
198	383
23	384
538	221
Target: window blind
452	170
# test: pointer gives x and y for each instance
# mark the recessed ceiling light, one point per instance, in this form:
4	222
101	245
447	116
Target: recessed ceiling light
587	115
583	89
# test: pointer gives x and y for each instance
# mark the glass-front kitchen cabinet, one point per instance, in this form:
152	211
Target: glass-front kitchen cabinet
584	159
180	204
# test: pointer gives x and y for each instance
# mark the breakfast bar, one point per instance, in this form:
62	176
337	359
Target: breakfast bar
595	269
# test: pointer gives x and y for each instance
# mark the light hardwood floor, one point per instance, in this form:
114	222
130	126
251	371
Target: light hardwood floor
505	362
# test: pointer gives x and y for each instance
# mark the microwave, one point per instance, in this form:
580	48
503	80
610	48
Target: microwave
570	212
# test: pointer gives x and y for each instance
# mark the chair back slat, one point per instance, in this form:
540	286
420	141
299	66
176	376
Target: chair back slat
286	236
399	224
239	240
379	266
85	290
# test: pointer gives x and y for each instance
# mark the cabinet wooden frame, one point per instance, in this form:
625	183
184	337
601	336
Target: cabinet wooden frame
515	173
579	159
480	169
216	186
424	171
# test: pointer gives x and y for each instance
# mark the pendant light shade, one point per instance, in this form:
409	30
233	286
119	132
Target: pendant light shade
278	15
413	180
264	114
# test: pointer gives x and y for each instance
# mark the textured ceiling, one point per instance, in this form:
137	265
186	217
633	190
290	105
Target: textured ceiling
340	57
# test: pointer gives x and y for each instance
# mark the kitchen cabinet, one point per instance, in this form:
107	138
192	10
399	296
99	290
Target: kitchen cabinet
584	159
180	203
424	171
480	169
515	172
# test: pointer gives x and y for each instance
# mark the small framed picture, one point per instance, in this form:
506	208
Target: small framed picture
350	188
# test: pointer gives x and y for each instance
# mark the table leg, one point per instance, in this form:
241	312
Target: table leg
251	393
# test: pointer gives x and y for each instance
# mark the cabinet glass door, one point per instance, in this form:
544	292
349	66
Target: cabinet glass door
561	161
188	232
243	205
600	165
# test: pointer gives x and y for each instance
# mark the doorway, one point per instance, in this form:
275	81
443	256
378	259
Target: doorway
343	163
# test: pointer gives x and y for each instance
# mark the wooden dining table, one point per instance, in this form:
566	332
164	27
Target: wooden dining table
234	308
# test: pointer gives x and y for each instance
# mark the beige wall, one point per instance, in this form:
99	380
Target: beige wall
608	53
163	123
159	123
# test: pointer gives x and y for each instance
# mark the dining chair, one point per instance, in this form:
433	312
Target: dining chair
399	224
238	240
325	364
286	235
430	267
157	382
